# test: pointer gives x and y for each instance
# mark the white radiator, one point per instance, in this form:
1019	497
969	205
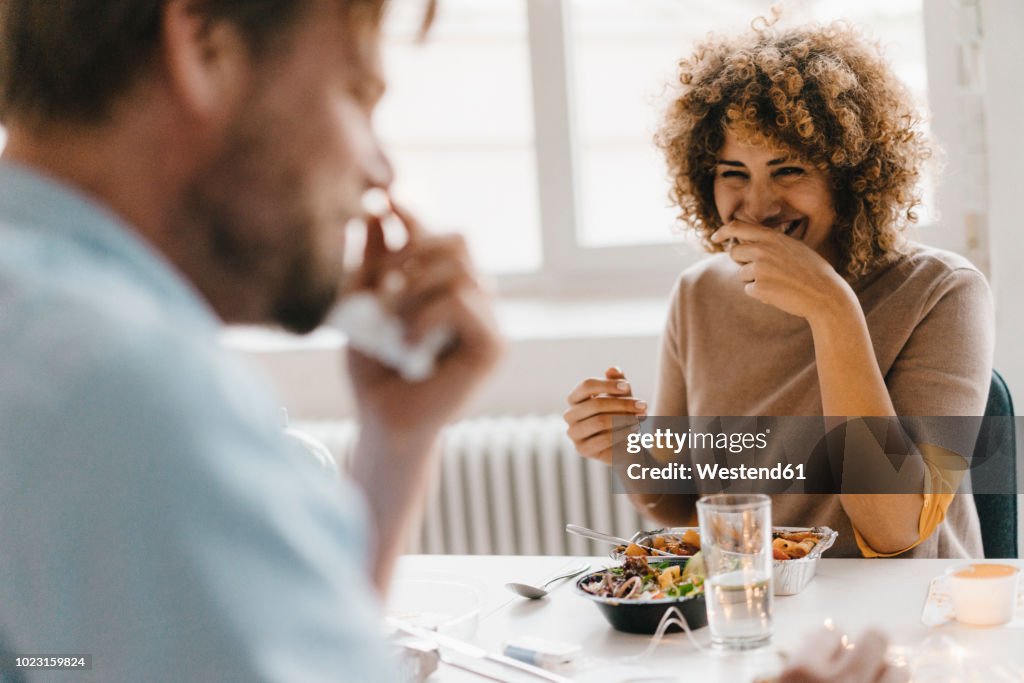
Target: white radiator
507	486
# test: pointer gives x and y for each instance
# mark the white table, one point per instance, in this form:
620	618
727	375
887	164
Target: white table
854	593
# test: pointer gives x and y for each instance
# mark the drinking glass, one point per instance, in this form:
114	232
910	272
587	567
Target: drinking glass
736	542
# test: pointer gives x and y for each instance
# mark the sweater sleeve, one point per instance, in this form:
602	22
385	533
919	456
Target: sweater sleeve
944	369
670	391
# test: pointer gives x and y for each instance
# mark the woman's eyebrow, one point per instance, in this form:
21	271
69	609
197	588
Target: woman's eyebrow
773	162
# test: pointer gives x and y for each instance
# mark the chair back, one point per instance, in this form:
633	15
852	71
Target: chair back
997	512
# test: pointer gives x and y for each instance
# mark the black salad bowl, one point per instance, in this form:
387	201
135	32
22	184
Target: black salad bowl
643	616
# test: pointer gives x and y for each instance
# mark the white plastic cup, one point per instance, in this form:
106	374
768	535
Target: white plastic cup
984	594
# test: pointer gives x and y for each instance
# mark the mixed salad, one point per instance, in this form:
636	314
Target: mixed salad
638	579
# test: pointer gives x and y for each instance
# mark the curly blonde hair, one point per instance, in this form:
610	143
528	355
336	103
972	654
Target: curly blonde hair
821	92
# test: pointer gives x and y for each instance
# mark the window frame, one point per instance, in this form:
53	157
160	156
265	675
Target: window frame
566	266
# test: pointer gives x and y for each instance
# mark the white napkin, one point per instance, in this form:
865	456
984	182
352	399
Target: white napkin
375	332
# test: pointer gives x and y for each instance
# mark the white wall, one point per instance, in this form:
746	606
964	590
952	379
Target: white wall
1003	30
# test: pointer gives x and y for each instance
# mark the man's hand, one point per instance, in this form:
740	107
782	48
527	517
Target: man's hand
825	658
782	271
428	283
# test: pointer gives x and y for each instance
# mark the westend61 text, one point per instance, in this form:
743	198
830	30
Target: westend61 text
709	472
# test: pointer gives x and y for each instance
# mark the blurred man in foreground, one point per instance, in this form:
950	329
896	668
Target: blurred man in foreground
173	165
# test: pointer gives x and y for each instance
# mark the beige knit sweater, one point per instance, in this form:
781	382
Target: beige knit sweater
931	323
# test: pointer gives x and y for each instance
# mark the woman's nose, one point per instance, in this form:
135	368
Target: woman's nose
760	202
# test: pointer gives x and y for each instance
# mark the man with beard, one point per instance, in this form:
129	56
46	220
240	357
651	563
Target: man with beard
173	165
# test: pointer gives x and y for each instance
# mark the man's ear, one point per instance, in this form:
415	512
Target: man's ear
207	63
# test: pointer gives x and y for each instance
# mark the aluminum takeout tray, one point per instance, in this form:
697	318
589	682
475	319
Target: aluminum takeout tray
789	576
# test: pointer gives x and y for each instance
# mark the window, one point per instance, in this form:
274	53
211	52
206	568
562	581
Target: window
624	57
458	121
532	123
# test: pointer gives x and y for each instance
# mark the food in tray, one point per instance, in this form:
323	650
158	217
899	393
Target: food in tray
793	545
638	579
789	544
685	545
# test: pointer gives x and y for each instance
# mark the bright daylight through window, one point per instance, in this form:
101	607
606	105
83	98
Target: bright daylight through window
476	154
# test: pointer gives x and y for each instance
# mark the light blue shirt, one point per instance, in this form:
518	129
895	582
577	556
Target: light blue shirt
152	513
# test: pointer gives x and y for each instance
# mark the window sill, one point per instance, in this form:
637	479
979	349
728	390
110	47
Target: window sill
552	346
520	320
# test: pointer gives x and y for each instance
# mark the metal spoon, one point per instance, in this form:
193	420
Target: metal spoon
535	592
608	538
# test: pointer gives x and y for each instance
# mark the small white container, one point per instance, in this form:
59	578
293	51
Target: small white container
984	594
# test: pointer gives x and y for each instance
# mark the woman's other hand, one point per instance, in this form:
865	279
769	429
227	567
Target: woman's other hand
593	406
